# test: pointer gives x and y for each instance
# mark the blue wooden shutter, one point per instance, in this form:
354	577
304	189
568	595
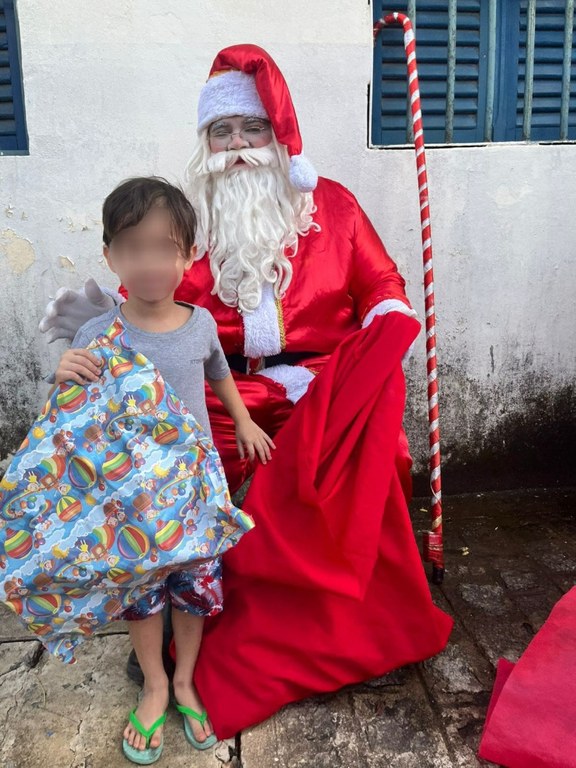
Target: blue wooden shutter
547	76
389	103
13	136
390	88
548	56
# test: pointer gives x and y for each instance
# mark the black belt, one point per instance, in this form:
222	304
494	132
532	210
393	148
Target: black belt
239	363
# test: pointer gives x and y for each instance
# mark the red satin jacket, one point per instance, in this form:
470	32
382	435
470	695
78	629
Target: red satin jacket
340	273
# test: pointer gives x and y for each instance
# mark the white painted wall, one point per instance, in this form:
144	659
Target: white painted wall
111	89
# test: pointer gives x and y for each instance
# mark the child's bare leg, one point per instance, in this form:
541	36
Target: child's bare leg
146	637
187	630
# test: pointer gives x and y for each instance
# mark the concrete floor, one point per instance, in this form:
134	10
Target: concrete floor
509	557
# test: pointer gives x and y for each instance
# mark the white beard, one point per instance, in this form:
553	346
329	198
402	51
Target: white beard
249	220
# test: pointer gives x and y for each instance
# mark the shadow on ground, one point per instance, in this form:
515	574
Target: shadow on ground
509	559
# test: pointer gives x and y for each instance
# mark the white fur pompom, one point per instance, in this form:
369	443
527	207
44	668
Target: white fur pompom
303	175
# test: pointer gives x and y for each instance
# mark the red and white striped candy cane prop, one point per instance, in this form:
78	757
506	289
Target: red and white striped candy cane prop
433	548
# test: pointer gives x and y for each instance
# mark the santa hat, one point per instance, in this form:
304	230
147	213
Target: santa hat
245	80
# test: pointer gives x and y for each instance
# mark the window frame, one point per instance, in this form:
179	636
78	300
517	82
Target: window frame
506	32
15	143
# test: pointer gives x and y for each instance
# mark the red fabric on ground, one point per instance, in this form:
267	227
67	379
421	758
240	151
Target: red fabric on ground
532	715
503	671
329	588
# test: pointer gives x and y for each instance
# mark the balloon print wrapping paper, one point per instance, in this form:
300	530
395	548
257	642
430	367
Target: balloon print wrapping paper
115	486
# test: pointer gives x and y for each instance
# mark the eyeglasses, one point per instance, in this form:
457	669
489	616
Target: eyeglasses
253	132
131	252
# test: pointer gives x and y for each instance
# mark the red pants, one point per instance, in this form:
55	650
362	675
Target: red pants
269	408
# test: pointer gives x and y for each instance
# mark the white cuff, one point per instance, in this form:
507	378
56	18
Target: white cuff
392	305
116	297
294	378
385	306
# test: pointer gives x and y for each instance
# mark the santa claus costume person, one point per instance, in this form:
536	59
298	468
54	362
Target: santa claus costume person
314	320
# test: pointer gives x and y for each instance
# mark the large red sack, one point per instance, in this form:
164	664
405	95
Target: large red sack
329	588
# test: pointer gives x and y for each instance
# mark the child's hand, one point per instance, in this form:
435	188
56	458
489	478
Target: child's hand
252	440
78	365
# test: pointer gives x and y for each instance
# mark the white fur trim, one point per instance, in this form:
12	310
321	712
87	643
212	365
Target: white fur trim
388	305
226	95
261	329
392	305
294	378
303	175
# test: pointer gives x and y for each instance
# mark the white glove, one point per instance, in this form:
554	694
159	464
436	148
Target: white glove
71	309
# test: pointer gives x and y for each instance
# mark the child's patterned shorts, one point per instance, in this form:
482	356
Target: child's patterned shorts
196	590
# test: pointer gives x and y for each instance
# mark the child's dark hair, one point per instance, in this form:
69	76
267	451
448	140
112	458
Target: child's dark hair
127	205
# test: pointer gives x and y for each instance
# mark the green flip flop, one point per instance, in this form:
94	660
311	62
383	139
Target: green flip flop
209	741
150	754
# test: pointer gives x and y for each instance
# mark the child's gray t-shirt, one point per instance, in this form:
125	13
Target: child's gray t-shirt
184	357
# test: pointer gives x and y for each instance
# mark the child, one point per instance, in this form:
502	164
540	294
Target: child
149	230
